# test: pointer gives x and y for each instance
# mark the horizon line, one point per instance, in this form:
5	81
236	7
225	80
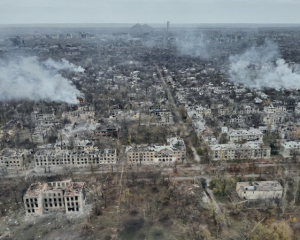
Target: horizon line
161	23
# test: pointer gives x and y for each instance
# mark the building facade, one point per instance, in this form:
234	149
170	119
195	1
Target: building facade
65	196
249	150
78	158
173	152
13	159
243	134
290	149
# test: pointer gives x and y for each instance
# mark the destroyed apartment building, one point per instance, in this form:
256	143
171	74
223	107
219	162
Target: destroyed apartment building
173	152
248	150
249	135
78	158
290	149
13	160
65	196
259	190
83	113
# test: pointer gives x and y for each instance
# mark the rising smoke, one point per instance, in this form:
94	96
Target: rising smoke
28	78
262	67
63	65
192	45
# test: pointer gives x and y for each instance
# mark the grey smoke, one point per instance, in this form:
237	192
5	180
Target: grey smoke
62	65
29	78
263	67
192	45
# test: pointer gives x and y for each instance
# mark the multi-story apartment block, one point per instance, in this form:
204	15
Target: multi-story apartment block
42	117
74	145
163	117
274	109
78	158
13	159
276	118
81	113
65	196
107	131
171	153
290	149
250	135
249	150
223	111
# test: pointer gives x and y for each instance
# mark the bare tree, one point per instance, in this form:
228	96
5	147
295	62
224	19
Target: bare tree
296	181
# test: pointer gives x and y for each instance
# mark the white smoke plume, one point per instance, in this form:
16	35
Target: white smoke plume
28	78
63	65
262	67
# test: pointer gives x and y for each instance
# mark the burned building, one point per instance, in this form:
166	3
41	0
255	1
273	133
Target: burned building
107	131
172	153
78	158
259	190
13	159
64	196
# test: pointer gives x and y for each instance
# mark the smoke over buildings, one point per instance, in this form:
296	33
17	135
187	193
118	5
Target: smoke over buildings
262	67
192	45
29	78
63	65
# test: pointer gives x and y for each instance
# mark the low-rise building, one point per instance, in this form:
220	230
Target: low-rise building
259	190
65	196
173	152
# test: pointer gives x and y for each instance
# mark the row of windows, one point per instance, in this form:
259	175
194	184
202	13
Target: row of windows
73	158
8	165
160	160
32	205
75	163
55	205
74	155
31	200
3	158
10	161
141	160
50	200
75	198
241	156
65	160
142	154
156	155
53	194
73	209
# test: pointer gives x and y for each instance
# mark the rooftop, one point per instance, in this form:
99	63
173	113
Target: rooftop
260	186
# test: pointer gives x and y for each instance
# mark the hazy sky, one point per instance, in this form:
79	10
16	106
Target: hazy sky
149	11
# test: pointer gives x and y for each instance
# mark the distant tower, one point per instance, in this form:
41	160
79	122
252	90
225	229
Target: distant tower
168	26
